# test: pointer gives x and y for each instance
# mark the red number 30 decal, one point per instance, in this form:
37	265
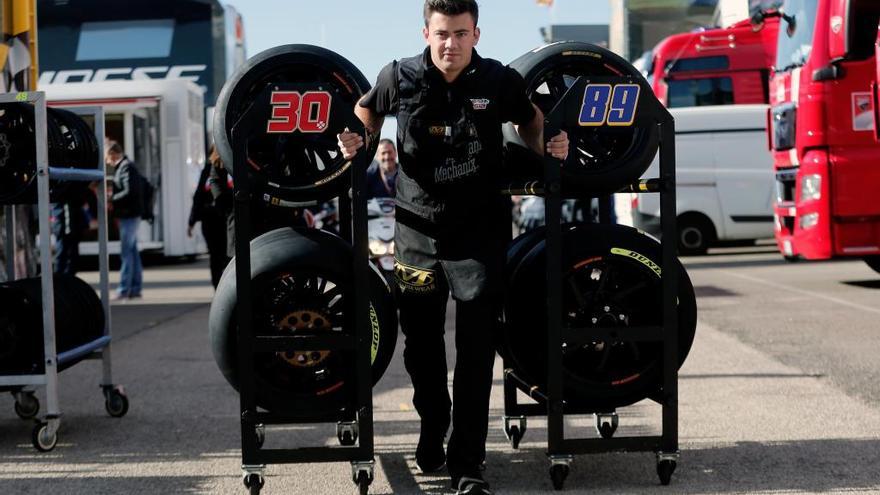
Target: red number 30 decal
306	112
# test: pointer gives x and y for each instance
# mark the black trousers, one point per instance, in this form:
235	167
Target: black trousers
422	320
214	231
429	266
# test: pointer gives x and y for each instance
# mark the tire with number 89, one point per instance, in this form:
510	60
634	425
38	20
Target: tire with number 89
602	158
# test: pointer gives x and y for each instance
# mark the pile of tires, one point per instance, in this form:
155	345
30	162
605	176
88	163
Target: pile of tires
301	279
79	319
70	141
611	278
611	274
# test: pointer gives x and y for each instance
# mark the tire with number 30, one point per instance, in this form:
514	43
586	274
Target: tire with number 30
306	94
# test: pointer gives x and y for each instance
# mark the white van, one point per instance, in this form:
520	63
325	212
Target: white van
724	177
160	125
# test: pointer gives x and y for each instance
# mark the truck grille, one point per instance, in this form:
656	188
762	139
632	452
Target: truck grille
785	184
784	126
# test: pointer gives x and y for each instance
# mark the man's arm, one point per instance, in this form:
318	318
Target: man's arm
532	133
350	142
371	120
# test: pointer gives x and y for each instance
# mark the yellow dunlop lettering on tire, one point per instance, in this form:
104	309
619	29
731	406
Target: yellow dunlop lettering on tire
638	257
413	278
374	325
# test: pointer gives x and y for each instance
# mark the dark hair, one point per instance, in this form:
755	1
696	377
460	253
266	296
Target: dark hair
386	141
451	8
114	148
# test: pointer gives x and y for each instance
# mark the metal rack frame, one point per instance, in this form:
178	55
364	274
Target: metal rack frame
550	402
359	425
99	348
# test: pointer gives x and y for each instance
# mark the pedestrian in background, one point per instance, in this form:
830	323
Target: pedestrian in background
69	222
382	173
211	215
127	208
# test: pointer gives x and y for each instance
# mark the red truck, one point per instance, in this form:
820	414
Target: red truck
715	83
715	67
822	137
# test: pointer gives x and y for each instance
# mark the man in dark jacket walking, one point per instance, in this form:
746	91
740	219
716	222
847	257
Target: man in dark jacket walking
452	224
212	216
127	208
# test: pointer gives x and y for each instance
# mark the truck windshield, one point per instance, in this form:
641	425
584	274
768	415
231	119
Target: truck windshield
795	34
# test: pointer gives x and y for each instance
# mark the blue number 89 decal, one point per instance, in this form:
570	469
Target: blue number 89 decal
615	106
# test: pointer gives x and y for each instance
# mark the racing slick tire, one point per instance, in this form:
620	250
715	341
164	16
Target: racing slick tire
301	285
293	166
600	159
611	278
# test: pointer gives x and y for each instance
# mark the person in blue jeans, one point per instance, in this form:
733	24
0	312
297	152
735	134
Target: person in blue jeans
127	206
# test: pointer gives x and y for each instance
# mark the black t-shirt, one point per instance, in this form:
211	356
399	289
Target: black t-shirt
449	134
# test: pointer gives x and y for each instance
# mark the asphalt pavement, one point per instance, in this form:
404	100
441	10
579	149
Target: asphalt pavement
767	405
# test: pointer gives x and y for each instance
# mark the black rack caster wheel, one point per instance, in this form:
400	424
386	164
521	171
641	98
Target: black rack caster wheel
27	406
42	440
254	482
116	402
347	433
558	473
514	432
260	435
363	481
665	468
606	424
514	435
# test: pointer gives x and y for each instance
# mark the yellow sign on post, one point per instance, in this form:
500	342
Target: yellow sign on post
18	53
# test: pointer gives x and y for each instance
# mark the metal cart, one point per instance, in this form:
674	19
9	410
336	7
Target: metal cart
45	432
356	433
549	402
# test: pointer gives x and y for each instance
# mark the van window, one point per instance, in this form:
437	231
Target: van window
700	63
700	92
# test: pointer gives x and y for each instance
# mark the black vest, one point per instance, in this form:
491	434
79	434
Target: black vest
449	140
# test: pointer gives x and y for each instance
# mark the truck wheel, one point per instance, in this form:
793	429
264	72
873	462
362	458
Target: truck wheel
695	233
601	159
873	262
292	165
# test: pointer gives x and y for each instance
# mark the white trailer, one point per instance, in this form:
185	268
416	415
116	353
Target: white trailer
160	125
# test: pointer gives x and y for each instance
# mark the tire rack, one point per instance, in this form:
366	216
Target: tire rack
550	402
353	227
45	433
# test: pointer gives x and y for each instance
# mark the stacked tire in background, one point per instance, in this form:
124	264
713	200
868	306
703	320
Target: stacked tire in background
78	311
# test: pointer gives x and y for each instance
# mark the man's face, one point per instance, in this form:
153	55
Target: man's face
452	39
111	159
387	157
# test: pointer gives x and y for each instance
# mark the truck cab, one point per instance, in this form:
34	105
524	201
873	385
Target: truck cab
715	84
823	133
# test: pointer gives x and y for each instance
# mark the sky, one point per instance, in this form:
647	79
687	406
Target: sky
371	33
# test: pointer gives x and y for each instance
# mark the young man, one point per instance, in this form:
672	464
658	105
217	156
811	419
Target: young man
452	224
382	174
127	208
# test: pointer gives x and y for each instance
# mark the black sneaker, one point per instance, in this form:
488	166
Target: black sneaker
430	456
467	485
